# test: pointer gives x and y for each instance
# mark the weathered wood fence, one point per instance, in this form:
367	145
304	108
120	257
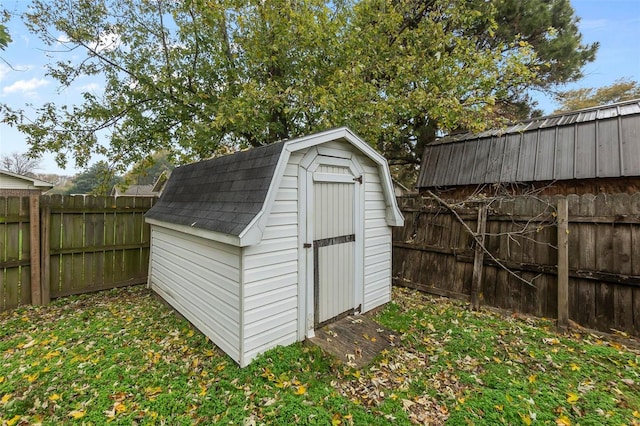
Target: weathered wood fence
53	246
434	252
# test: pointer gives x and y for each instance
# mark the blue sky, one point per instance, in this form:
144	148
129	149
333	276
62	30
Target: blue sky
614	23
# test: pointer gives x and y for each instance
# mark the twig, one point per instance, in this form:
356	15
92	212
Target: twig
476	237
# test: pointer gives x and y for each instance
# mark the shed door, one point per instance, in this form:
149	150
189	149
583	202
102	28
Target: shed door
333	246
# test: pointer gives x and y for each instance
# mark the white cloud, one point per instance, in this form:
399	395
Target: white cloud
24	86
63	39
90	87
106	42
594	24
4	70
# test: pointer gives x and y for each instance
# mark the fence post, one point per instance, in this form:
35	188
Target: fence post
563	264
45	248
478	259
34	235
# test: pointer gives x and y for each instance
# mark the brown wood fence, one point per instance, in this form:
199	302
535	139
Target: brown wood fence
81	244
435	253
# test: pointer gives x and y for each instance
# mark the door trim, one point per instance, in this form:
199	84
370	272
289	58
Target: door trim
306	168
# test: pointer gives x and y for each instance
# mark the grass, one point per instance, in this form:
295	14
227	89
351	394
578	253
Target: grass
123	357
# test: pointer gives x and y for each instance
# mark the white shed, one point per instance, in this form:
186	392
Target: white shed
259	248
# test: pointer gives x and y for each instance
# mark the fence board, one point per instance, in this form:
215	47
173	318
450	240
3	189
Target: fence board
92	243
604	256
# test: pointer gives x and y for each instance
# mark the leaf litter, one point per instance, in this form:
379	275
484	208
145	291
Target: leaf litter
123	357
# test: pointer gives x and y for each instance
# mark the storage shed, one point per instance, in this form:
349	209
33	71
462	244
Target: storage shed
259	248
587	151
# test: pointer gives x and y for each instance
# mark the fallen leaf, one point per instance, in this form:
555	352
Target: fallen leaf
563	421
525	419
54	397
13	420
119	407
301	390
406	403
575	367
52	354
152	391
572	398
6	398
29	344
76	414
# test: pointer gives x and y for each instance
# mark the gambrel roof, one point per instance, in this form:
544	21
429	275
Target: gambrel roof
228	198
221	194
590	143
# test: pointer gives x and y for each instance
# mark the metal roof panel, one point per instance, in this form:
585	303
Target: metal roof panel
608	148
630	142
510	161
496	156
545	155
481	161
565	153
585	151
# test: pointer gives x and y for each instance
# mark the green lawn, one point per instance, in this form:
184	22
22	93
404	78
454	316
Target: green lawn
124	357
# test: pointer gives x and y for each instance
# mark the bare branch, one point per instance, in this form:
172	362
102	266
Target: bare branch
476	237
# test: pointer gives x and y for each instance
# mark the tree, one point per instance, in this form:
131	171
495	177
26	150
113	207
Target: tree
201	77
98	179
21	164
620	90
147	171
5	37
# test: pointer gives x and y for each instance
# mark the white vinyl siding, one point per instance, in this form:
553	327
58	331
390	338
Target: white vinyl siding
200	279
271	274
377	240
10	182
258	294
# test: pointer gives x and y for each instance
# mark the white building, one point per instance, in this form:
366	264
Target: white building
259	248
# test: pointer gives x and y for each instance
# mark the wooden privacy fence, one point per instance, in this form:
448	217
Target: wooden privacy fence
53	246
594	279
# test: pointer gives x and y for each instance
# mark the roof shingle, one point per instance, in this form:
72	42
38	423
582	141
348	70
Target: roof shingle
222	194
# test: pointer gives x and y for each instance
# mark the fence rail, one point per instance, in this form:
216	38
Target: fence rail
435	252
80	243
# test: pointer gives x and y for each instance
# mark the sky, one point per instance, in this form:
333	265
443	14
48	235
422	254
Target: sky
613	23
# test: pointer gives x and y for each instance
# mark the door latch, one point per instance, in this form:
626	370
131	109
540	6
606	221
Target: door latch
306	245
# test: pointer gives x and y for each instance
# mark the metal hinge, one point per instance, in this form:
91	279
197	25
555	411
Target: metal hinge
306	245
358	179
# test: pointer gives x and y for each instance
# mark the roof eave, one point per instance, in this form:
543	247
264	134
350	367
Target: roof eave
198	232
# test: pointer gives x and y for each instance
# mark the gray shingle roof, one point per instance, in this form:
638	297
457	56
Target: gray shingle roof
590	143
222	194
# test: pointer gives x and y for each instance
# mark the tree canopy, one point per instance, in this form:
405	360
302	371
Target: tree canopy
5	38
202	77
618	91
147	171
98	179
